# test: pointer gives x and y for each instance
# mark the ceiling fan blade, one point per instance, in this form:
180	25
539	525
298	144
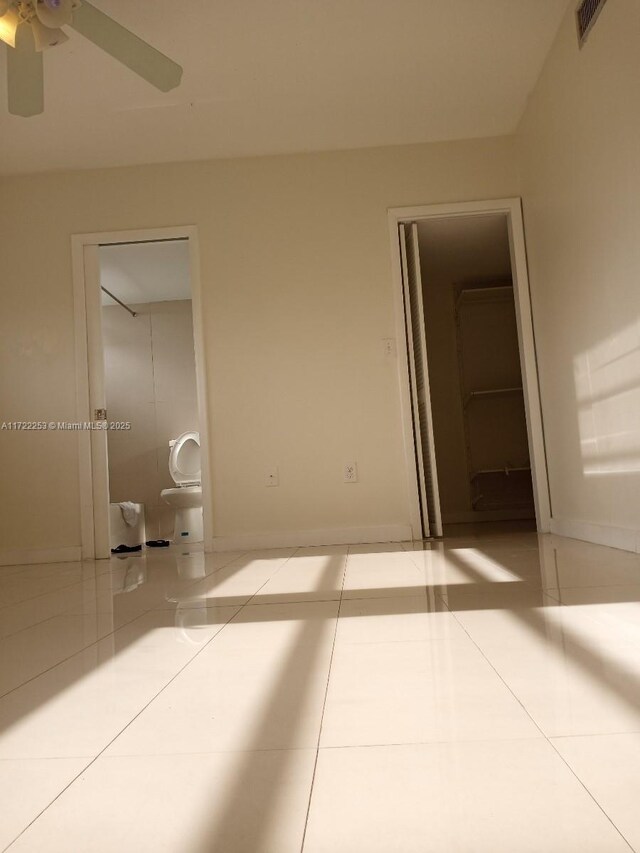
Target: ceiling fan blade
25	75
127	48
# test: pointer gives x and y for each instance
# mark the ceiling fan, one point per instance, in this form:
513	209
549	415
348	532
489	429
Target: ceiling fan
31	26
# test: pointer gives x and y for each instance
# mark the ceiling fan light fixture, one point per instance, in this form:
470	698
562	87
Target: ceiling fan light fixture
54	13
45	37
32	26
9	23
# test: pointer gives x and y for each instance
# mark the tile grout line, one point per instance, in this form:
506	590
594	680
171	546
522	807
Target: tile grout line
95	577
324	703
73	654
535	723
37	625
593	797
60	589
153	698
30	598
140	615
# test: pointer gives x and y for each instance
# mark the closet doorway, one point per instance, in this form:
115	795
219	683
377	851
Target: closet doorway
472	420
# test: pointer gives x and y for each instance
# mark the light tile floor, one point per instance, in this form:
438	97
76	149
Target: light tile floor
481	694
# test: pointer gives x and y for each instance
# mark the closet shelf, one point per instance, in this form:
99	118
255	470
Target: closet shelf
483	294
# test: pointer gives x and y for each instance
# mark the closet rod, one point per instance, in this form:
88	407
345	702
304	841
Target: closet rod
489	391
485	289
506	470
119	301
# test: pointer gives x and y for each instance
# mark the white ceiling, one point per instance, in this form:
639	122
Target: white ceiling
273	76
145	272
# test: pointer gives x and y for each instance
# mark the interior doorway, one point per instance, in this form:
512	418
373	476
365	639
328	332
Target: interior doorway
151	395
141	370
471	410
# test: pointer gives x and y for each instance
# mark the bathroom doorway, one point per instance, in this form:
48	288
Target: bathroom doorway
150	389
138	298
472	419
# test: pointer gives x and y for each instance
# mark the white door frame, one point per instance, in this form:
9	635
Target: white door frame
512	208
92	445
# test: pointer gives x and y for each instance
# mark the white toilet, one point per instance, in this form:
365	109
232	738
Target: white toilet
186	498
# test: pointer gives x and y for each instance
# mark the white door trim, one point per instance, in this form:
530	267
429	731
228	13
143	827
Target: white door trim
417	429
512	208
90	374
434	497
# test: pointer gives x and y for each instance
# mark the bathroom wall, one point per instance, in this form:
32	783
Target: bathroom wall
150	381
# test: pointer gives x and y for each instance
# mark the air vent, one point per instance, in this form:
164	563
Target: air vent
586	15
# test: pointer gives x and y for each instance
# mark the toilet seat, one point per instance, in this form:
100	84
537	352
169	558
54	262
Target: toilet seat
184	459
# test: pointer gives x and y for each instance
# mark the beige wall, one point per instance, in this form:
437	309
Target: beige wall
150	381
297	299
581	190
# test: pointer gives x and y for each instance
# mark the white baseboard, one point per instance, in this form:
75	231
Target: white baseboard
625	539
305	538
20	557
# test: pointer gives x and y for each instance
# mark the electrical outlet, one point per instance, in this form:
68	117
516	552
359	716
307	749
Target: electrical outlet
351	472
273	478
389	346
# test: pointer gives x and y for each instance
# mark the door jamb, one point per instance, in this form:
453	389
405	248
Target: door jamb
94	518
512	208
